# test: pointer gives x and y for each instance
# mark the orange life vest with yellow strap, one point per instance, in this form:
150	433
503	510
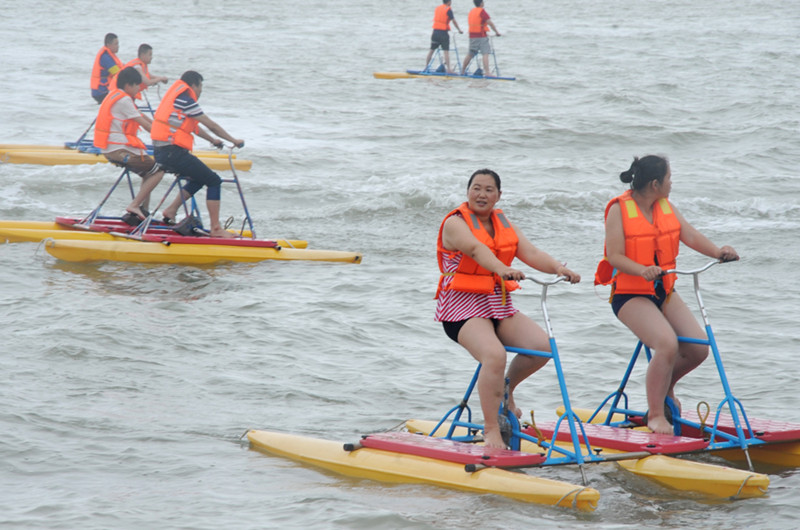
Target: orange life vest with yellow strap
645	243
440	18
476	24
471	277
97	70
162	130
145	70
102	127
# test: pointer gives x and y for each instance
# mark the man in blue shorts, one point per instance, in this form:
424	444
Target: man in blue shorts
177	120
441	33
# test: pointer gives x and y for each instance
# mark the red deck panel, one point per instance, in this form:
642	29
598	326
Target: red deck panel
620	439
766	430
449	450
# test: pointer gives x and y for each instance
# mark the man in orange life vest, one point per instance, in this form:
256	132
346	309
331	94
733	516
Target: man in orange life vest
177	120
141	64
118	122
479	22
441	32
106	66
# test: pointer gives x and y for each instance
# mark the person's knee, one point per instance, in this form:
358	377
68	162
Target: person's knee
214	193
667	347
697	352
494	360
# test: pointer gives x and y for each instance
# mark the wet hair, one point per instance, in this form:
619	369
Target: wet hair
489	172
110	37
129	76
191	78
644	170
477	2
143	48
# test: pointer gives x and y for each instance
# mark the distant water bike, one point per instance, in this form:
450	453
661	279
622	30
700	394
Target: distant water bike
86	145
436	68
95	237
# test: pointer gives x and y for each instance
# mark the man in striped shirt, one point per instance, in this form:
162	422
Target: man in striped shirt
176	121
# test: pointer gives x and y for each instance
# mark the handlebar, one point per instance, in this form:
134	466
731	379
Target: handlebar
696	271
223	145
696	281
546	282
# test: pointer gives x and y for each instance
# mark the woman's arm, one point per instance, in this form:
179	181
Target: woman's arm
540	260
456	235
692	238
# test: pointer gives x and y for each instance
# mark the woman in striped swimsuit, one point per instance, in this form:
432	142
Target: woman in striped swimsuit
475	248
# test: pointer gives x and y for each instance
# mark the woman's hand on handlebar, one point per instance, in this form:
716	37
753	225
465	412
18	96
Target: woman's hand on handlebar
651	273
727	253
572	277
512	274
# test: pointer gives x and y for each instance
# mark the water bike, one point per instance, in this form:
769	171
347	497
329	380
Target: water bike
730	432
83	151
436	68
95	237
448	452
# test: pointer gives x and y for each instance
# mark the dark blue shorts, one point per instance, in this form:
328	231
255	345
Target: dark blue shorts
452	328
182	162
618	300
440	37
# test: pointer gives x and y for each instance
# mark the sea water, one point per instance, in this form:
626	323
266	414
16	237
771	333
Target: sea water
126	388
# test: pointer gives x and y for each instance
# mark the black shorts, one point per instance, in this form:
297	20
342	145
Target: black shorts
452	328
440	37
618	300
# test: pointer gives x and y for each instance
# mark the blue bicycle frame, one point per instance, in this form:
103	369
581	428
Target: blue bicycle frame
437	58
744	438
554	455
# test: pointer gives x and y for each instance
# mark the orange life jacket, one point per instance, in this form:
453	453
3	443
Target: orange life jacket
440	18
97	70
134	63
477	27
645	243
471	277
161	130
102	127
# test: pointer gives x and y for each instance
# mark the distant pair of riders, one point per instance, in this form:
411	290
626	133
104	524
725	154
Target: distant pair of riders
479	24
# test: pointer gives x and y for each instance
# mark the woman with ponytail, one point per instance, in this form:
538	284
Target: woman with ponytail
643	234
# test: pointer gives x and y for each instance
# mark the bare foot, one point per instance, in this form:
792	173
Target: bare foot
493	440
168	215
675	400
221	232
513	407
659	424
135	210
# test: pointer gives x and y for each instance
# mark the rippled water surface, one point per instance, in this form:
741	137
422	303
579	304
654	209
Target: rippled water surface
126	388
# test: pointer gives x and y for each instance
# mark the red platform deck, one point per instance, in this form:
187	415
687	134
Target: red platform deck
621	439
449	450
